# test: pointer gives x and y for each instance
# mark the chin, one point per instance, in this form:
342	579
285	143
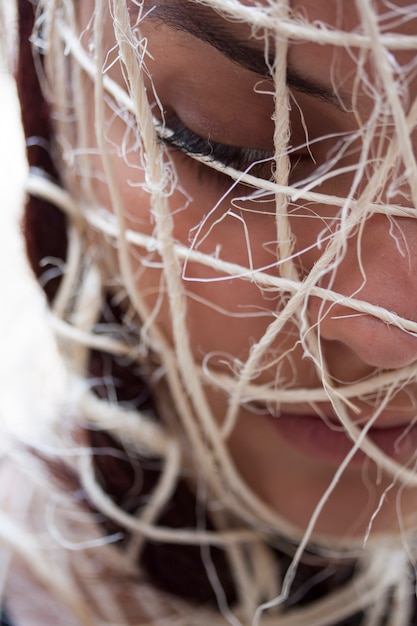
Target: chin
361	504
349	514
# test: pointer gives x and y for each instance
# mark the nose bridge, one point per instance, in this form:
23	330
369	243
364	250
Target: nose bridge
379	267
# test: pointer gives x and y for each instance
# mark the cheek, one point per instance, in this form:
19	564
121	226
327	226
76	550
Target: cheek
225	316
215	217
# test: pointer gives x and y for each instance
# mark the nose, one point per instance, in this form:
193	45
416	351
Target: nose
379	268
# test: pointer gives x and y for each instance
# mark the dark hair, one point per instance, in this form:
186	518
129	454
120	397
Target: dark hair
43	224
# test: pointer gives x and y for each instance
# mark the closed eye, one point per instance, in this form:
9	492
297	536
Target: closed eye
176	135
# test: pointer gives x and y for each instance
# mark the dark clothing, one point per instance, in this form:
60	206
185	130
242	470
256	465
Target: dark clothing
5	620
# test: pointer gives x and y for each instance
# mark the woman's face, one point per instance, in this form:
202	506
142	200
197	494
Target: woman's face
210	83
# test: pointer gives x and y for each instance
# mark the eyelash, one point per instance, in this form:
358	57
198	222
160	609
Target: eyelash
258	162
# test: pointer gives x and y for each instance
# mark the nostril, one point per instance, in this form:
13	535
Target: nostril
370	340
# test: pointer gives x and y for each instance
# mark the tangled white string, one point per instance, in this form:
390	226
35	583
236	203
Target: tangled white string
105	243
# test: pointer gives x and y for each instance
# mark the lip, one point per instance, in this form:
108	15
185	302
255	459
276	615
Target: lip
327	442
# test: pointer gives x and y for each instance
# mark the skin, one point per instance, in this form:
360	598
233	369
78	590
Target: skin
218	100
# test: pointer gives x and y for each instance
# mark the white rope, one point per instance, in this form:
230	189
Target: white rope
97	77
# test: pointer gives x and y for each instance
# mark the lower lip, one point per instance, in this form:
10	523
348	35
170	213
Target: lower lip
312	437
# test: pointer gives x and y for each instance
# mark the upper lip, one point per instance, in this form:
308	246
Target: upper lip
389	418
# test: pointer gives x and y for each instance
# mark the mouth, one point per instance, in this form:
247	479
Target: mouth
328	442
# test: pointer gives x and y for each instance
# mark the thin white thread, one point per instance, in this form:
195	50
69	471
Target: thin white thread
78	304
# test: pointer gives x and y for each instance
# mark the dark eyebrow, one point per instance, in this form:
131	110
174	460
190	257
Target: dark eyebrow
204	24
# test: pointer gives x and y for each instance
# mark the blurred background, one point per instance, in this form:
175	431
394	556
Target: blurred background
30	381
